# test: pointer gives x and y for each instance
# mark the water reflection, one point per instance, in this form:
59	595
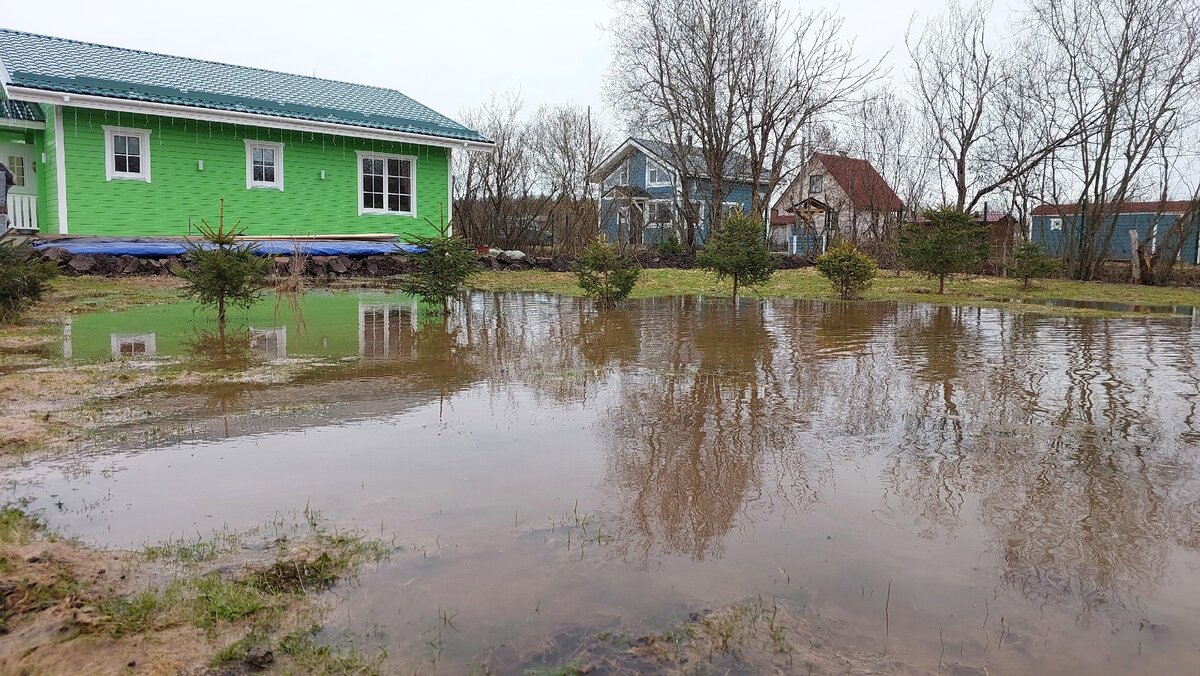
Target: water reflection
1053	458
690	436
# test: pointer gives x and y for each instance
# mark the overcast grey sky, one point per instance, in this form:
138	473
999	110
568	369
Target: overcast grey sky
447	54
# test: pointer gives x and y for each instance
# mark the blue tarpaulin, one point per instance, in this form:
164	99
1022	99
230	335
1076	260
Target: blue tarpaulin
162	248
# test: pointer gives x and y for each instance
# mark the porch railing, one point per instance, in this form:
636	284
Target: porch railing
22	212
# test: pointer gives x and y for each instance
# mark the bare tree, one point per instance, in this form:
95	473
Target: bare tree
568	145
1131	72
961	85
1167	239
800	69
498	197
678	72
885	131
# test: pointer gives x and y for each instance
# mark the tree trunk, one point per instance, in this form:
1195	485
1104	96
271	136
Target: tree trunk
941	284
735	288
1135	269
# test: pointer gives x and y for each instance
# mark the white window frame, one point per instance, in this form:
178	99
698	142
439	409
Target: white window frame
411	159
1056	224
277	148
117	340
730	205
821	189
654	167
110	169
652	207
618	177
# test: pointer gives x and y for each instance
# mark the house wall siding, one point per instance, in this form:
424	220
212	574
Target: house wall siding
1053	240
179	191
848	219
701	191
48	177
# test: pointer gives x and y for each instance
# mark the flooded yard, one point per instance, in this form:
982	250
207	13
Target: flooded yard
683	484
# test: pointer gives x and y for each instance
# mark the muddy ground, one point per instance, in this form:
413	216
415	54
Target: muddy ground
227	604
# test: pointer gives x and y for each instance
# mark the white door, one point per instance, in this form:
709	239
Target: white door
22	196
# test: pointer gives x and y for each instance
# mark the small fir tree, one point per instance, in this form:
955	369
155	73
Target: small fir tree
440	272
670	246
605	275
951	243
23	278
1030	260
738	251
223	271
849	270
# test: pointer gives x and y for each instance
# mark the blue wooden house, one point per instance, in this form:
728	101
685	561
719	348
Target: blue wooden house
642	198
1051	225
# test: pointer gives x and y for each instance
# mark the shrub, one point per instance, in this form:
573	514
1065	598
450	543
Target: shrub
670	246
848	269
23	278
951	243
439	274
605	275
1030	260
223	271
738	251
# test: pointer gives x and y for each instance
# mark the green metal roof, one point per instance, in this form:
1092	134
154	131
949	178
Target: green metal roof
20	110
73	67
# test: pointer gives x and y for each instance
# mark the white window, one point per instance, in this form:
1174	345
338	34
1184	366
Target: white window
386	184
1055	224
264	165
656	176
619	177
16	164
126	154
659	212
816	184
387	330
269	343
727	209
133	345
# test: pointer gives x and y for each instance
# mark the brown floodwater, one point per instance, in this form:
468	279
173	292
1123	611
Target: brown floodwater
945	489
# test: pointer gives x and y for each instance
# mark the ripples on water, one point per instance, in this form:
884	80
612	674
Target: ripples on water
1025	486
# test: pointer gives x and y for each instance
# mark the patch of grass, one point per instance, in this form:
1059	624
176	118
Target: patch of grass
211	599
339	553
145	611
237	651
311	657
188	552
71	295
21	596
221	600
18	526
905	287
570	669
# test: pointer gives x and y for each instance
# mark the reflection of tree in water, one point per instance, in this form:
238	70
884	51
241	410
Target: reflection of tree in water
838	369
1059	434
689	440
928	474
1090	508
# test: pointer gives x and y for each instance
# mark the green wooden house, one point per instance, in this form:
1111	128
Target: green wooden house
122	143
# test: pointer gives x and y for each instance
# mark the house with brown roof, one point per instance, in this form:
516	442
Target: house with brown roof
833	195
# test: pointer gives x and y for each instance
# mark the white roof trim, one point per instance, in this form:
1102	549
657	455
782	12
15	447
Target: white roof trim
603	169
6	123
233	117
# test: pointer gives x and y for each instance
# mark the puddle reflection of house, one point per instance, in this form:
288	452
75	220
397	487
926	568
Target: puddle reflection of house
387	330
